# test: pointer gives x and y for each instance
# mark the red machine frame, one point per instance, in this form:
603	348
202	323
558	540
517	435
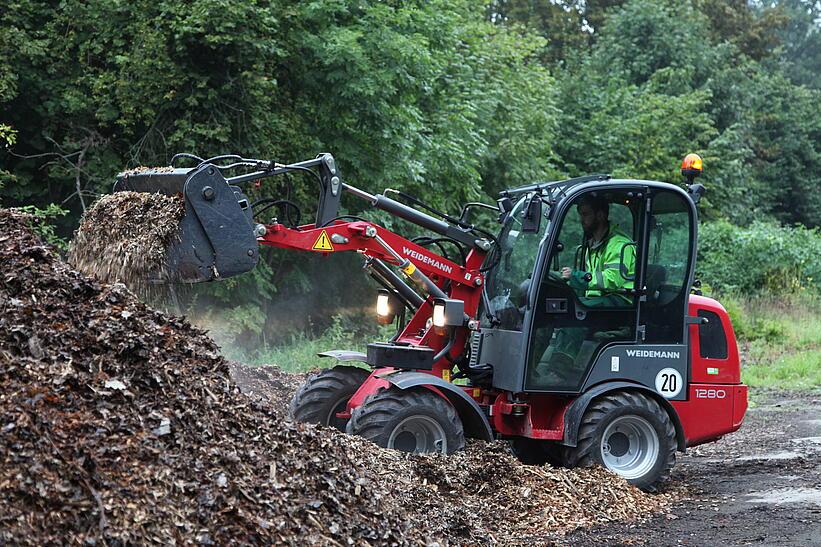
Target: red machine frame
541	416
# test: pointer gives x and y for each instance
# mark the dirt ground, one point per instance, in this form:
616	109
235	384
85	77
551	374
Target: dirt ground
758	486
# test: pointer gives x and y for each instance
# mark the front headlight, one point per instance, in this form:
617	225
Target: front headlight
383	304
448	312
387	306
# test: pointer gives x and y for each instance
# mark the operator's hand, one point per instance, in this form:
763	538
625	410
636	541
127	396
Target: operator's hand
566	273
579	280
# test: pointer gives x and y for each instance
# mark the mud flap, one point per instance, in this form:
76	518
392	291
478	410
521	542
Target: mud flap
473	418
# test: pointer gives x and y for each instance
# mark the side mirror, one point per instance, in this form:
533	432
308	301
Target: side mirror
532	215
505	205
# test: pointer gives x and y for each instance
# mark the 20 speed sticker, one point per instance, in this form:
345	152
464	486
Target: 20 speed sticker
669	382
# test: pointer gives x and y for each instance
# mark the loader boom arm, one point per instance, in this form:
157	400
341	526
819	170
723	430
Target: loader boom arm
219	237
436	275
376	242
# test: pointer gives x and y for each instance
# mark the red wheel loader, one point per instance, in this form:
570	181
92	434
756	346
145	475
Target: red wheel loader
514	334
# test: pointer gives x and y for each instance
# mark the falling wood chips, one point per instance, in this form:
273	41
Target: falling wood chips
124	237
121	425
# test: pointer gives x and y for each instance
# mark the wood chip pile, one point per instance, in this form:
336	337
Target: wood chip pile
145	169
124	237
482	492
120	424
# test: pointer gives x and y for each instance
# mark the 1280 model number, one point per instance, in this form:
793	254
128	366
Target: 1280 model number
710	393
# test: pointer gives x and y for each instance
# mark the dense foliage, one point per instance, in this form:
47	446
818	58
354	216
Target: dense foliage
760	258
451	100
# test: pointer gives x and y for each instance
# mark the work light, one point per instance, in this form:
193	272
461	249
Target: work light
448	312
387	307
439	315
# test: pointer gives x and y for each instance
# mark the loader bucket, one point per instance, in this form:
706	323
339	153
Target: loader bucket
216	235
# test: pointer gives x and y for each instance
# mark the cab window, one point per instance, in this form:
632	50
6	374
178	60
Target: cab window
510	281
668	265
586	298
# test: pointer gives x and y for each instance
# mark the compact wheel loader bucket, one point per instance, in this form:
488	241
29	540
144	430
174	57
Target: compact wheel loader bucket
216	234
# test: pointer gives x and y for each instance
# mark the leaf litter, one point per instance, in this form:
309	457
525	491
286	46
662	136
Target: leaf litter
121	424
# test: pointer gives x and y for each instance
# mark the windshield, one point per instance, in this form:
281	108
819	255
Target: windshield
509	281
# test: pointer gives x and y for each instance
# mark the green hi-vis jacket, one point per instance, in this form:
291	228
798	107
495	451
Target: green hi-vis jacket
605	264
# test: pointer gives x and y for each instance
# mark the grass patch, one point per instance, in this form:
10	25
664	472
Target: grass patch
299	354
779	340
793	371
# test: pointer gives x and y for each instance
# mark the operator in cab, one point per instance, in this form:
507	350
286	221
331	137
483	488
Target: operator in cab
604	269
608	257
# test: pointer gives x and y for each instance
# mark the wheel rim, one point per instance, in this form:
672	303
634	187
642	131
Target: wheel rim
332	420
630	446
420	435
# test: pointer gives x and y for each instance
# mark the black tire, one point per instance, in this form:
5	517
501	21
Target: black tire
324	394
642	418
414	420
535	452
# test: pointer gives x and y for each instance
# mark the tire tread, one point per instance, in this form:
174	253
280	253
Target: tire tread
310	402
583	455
373	416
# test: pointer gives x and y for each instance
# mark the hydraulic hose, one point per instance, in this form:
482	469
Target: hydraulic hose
445	349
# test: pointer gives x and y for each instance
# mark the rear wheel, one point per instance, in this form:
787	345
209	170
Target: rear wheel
631	435
414	420
325	394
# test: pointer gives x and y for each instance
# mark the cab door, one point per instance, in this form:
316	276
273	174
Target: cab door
671	230
569	326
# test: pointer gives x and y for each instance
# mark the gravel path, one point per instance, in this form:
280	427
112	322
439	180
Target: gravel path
758	486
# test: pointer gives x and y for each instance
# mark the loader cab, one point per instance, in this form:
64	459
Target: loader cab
570	334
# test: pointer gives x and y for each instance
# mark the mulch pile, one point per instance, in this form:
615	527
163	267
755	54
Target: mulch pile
123	237
120	424
145	169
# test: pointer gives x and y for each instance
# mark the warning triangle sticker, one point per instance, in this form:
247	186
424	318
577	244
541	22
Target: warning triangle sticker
323	243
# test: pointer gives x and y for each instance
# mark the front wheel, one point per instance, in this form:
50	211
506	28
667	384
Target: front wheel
414	420
325	394
629	434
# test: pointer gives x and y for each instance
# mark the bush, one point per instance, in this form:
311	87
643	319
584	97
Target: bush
43	226
749	323
761	258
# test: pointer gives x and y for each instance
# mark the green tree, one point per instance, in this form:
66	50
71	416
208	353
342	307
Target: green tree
801	39
652	89
633	107
8	137
753	28
427	97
